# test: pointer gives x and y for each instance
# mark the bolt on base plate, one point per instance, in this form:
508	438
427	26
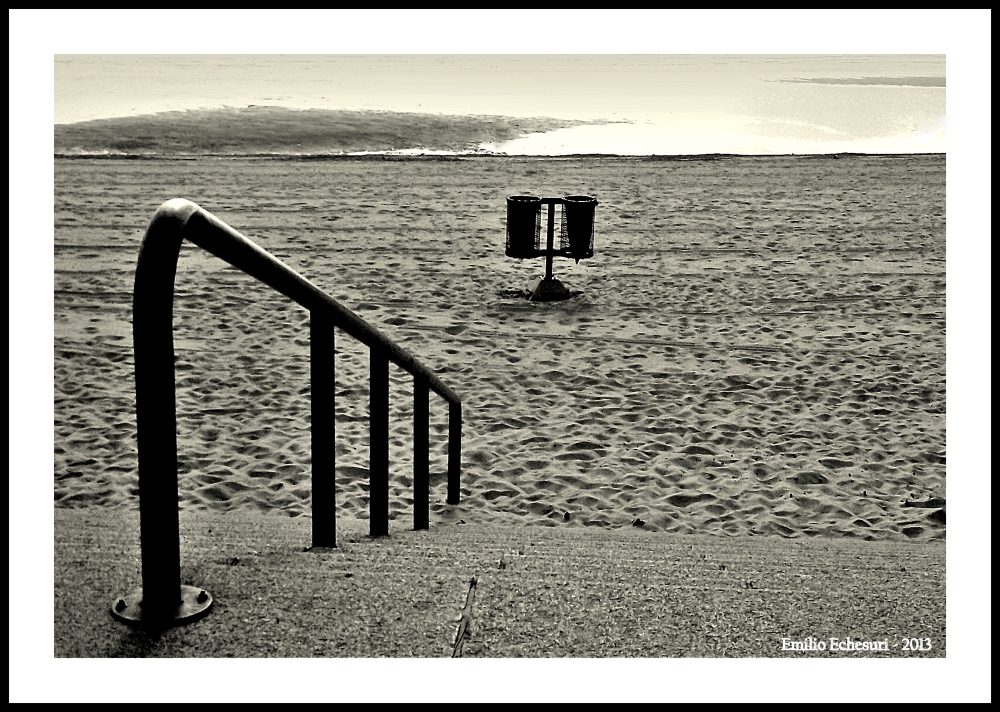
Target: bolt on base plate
194	604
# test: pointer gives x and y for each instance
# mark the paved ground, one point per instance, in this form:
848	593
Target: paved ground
540	592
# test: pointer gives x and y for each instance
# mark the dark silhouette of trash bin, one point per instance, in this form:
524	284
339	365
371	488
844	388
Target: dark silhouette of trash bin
576	239
577	233
524	225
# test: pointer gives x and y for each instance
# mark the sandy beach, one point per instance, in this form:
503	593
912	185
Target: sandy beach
756	348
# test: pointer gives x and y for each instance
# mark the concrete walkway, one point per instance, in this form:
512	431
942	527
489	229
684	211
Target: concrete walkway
539	592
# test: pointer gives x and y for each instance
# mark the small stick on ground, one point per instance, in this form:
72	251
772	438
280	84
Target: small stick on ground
466	620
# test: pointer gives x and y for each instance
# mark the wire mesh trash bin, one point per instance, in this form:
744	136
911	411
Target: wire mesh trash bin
524	225
576	238
577	234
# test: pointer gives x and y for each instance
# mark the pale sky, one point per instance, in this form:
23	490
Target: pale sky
36	37
674	104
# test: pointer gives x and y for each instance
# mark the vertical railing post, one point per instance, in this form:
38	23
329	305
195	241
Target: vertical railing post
421	454
378	444
323	393
454	452
163	600
156	419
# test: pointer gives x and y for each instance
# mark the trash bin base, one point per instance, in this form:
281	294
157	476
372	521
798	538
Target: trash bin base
547	290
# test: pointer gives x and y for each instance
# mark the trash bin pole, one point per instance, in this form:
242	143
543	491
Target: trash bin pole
548	250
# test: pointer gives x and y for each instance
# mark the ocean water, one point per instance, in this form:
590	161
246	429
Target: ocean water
692	134
656	104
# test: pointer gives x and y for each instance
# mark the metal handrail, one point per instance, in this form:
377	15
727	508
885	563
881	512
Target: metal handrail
152	330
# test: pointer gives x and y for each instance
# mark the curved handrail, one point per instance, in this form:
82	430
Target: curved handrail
208	232
162	597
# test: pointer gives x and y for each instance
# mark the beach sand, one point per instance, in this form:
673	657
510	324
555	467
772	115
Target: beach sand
756	348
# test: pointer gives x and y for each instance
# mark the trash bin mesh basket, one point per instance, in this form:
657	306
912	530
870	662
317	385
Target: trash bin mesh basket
576	238
524	226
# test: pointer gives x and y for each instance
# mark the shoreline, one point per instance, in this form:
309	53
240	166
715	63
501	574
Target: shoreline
440	156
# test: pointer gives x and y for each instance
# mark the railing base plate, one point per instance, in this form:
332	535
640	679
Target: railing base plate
194	604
